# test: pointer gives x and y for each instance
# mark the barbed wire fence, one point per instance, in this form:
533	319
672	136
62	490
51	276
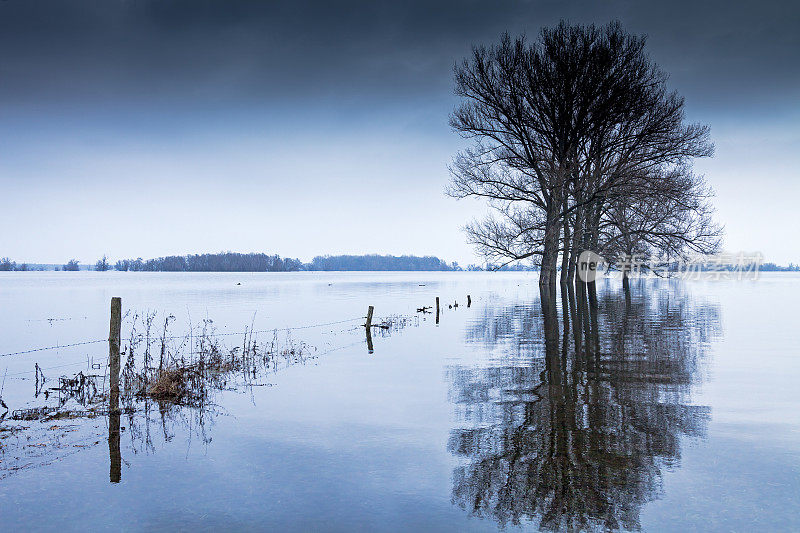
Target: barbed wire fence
170	337
111	366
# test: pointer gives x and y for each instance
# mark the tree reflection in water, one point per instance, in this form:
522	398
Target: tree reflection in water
571	431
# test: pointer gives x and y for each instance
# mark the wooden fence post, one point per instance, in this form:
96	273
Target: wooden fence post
114	336
437	309
114	339
368	327
469	300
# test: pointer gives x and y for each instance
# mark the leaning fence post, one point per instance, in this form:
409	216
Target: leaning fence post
368	327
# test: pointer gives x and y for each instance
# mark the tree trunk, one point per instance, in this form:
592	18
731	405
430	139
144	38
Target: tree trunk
574	248
626	286
565	256
583	313
591	287
593	237
548	272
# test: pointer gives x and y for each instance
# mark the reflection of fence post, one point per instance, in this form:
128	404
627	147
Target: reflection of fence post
369	340
114	455
114	339
469	300
368	327
437	309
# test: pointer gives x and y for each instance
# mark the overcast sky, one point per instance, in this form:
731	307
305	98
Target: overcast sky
143	128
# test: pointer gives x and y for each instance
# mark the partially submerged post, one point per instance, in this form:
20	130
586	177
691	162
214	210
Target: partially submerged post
368	327
369	317
114	336
437	309
469	300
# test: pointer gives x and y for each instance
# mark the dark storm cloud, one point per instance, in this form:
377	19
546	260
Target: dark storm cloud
295	122
184	53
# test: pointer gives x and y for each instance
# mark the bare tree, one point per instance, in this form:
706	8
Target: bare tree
102	264
648	156
7	265
669	215
523	105
565	128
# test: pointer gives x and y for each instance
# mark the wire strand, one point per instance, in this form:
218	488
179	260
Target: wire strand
53	347
47	368
175	337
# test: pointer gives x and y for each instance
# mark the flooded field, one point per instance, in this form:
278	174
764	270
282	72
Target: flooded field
675	409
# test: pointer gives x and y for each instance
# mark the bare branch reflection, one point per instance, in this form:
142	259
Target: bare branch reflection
571	422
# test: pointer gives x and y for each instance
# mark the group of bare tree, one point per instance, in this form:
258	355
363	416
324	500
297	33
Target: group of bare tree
7	265
578	145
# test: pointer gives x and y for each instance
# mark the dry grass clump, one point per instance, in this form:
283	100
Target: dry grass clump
171	384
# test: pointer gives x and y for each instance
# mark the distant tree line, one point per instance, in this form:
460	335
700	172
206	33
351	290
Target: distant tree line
222	262
237	262
517	267
7	265
72	266
379	262
256	262
772	267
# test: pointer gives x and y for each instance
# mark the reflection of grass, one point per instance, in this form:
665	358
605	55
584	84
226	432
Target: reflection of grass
180	387
53	413
168	368
167	382
36	444
396	322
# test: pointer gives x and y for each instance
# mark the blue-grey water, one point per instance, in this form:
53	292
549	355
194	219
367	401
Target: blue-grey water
677	409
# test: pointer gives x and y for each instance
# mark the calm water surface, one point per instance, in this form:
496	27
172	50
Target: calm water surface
674	410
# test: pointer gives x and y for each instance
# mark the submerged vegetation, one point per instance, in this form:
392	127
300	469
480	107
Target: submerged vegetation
183	369
180	375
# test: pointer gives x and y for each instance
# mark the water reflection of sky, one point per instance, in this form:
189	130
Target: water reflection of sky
475	423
